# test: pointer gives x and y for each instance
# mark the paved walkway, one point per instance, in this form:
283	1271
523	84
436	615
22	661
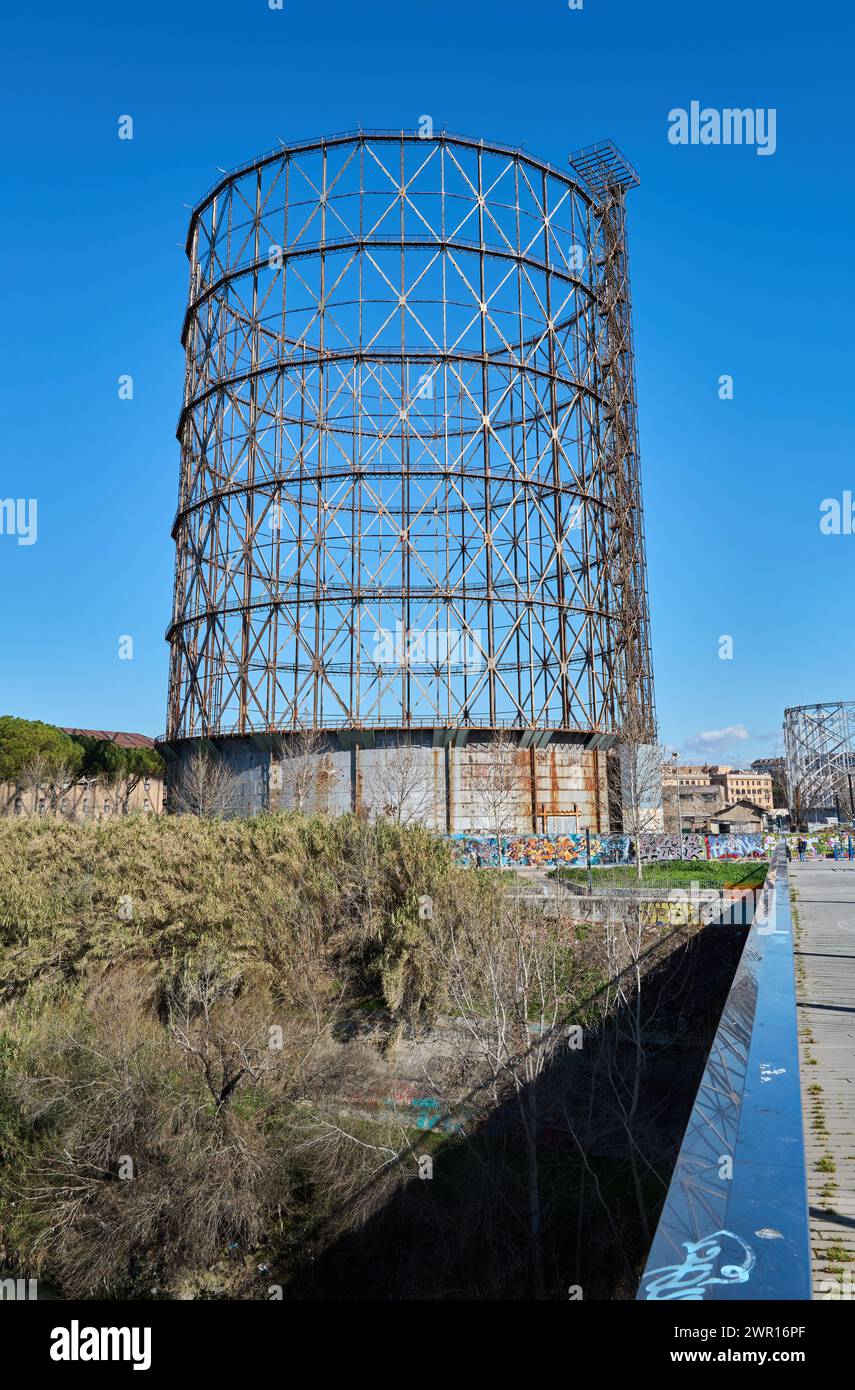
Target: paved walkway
824	903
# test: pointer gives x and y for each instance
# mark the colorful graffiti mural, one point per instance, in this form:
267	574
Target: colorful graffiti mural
822	844
529	851
566	850
551	851
735	847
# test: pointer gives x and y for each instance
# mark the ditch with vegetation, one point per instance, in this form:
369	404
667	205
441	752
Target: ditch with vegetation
309	1057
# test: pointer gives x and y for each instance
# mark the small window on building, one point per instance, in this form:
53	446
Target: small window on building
147	784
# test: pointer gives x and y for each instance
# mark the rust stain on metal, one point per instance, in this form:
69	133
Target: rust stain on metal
357	781
596	761
438	780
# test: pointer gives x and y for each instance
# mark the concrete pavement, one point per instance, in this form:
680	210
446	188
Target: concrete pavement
824	913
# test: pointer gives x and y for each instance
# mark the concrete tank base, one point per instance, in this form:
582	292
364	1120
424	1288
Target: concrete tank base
452	780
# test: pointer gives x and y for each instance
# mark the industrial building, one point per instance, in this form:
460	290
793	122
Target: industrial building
409	536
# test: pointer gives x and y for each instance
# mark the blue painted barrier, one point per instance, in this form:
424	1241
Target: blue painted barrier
735	1220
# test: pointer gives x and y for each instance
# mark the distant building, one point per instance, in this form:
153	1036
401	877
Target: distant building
742	818
739	785
693	809
736	783
774	766
687	774
86	798
121	740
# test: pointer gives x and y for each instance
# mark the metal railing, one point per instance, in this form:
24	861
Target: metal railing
295	147
735	1221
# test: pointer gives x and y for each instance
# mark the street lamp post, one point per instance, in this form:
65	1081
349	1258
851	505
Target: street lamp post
679	805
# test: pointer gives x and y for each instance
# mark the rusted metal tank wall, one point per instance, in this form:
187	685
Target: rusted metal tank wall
418	777
560	788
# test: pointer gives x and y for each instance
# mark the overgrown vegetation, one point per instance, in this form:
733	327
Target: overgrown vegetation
213	1035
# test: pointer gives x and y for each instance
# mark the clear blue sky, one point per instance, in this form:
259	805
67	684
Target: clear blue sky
741	264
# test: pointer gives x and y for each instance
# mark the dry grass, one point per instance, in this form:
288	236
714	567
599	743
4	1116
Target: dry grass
186	1006
169	995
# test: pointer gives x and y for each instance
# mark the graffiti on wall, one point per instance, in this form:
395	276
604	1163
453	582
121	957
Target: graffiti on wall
527	851
656	846
821	844
736	847
566	850
547	851
475	851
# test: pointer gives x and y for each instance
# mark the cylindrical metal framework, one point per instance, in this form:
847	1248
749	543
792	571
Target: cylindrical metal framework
820	749
409	491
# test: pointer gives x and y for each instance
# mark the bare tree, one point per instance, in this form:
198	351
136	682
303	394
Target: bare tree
640	762
399	785
799	800
206	786
297	776
628	945
509	990
844	789
123	774
43	774
211	1026
780	796
499	788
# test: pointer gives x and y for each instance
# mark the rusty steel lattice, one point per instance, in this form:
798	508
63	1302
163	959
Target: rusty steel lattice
820	751
409	488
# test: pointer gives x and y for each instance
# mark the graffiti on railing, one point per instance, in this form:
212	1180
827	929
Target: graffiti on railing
702	1267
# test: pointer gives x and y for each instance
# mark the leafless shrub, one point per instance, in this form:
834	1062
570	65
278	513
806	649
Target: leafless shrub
148	1161
206	786
399	785
498	790
510	988
45	779
296	778
640	765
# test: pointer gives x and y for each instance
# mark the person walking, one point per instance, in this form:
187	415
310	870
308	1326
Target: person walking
802	848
